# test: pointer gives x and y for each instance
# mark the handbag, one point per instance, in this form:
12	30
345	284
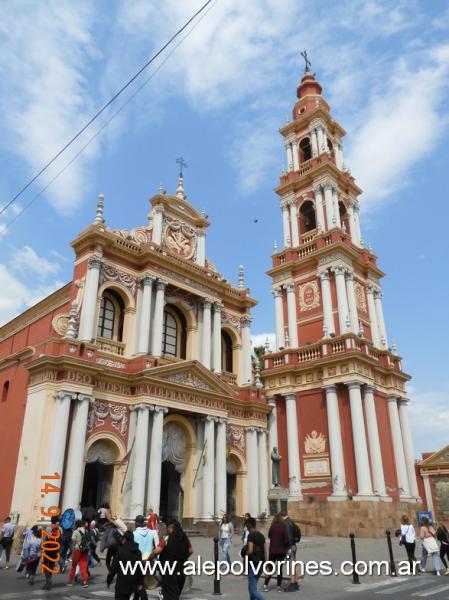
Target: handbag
430	544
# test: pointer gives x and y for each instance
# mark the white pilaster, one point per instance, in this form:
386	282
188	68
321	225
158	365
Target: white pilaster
362	465
207	332
407	443
145	314
373	316
288	148
216	341
140	460
336	207
87	330
428	492
342	301
139	299
252	471
352	224
279	318
245	332
75	457
158	222
286	225
201	248
272	430
314	142
320	139
263	471
158	319
294	223
339	155
55	460
295	155
320	221
398	448
154	480
209	469
339	491
357	221
220	469
294	468
291	311
327	302
352	302
380	319
329	202
374	443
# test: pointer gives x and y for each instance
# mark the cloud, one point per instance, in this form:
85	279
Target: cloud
429	418
27	259
260	339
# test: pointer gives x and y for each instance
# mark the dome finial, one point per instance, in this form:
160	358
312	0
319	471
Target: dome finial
100	210
180	189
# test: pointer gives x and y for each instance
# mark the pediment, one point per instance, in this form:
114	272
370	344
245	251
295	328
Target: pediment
437	458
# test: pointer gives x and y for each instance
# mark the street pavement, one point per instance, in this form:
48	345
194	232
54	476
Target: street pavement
14	586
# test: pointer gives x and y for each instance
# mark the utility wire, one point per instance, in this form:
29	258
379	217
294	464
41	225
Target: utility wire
103	127
121	90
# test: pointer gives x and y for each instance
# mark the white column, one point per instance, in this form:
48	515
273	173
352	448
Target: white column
253	471
220	469
87	330
139	298
209	469
291	311
380	319
286	226
294	224
373	316
158	319
342	301
357	221
294	467
272	431
428	492
328	314
201	248
320	221
340	156
314	142
55	460
154	480
288	148
352	302
295	155
352	225
207	332
75	457
216	341
158	221
407	443
326	147
127	485
320	139
140	460
374	442
362	466
339	490
329	202
263	471
279	318
245	332
145	314
336	218
198	488
398	448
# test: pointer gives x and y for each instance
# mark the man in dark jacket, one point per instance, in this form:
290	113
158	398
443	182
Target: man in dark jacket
128	553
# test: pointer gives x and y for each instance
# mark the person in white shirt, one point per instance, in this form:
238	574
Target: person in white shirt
408	540
226	533
7	530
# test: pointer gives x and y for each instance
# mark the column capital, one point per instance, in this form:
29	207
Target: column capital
290	397
323	275
147	279
370	389
94	262
277	291
143	406
291	202
251	429
349	275
222	420
353	385
378	294
339	269
161	284
371	288
207	302
245	321
290	287
218	306
318	190
159	208
210	418
403	401
83	397
271	400
392	398
160	409
63	394
331	387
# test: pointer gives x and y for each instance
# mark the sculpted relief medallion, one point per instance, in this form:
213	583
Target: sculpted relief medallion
180	238
315	443
360	297
309	295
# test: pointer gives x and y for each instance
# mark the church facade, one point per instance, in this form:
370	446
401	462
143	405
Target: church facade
134	382
334	383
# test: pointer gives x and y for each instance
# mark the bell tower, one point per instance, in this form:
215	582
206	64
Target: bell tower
336	385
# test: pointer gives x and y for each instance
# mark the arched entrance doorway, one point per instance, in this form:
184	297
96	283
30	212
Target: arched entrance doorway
98	474
231	485
174	451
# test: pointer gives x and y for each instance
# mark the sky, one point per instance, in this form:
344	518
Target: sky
218	99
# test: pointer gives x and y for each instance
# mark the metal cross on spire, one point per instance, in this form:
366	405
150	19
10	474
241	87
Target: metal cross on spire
307	61
182	164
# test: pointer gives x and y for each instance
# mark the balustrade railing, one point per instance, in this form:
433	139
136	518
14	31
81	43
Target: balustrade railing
111	346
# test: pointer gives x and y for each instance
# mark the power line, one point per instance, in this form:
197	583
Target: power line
121	90
103	127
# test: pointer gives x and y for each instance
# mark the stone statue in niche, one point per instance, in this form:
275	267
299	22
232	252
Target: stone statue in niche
275	467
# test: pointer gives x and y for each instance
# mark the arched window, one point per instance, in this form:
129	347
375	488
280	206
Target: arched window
174	334
344	217
305	150
307	216
111	317
226	352
5	391
330	145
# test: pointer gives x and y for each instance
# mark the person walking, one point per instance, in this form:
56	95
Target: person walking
7	531
443	538
80	553
427	535
110	542
31	552
225	537
51	565
279	546
153	521
245	532
104	514
174	548
130	583
408	540
255	552
294	537
146	539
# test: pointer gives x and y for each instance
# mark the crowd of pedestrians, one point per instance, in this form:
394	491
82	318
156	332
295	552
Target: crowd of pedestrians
429	534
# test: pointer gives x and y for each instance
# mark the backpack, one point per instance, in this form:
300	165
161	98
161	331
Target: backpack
85	542
295	532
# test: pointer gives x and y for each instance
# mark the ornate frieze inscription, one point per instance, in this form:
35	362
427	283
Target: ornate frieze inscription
360	297
236	437
100	411
188	378
309	296
109	273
